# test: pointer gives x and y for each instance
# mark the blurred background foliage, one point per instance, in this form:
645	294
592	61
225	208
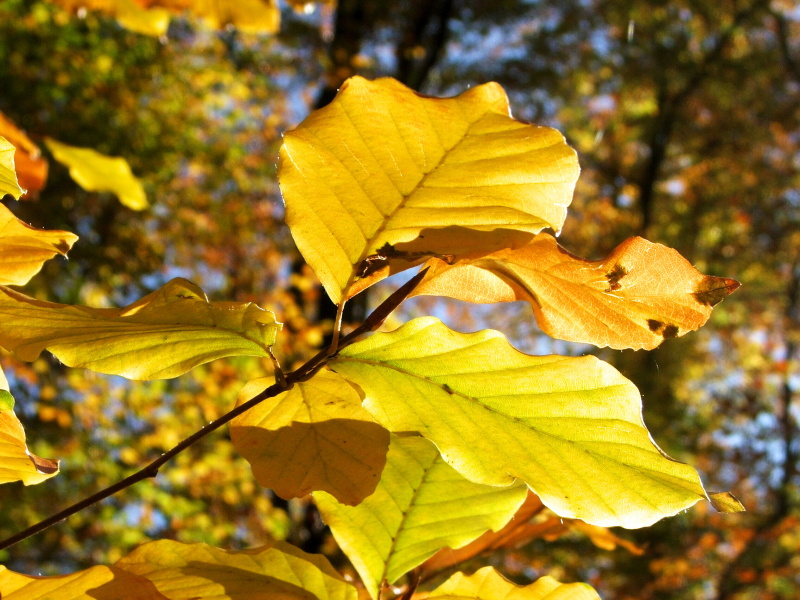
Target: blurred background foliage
685	117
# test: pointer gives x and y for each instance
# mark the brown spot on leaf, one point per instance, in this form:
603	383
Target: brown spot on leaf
666	331
613	277
670	331
710	291
45	466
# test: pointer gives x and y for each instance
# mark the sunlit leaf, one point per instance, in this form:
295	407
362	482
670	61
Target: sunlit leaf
163	335
250	16
513	532
8	174
638	296
570	427
421	504
96	172
31	168
275	572
151	17
16	463
382	178
316	436
488	584
23	249
97	583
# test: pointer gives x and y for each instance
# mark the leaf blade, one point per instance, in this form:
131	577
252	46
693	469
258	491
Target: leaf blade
8	174
641	294
571	428
316	436
24	249
421	504
99	583
373	181
160	336
96	172
488	584
16	462
279	570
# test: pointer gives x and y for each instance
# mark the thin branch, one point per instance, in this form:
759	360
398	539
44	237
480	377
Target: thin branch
303	373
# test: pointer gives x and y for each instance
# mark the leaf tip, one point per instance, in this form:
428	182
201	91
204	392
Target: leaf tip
710	291
725	502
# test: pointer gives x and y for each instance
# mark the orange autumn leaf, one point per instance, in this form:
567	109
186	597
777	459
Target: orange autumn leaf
639	295
31	168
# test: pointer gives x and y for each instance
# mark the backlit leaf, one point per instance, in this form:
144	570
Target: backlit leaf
96	172
23	249
151	17
382	178
16	463
31	168
569	427
97	583
316	436
638	296
421	504
8	174
275	572
488	584
163	335
249	16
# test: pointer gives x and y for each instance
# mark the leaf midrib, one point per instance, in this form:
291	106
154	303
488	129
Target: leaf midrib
405	197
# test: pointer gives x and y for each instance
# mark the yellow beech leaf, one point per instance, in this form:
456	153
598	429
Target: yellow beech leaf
275	572
638	296
16	463
23	249
516	531
163	335
249	16
8	174
569	427
96	172
30	167
96	583
316	436
488	584
421	505
151	17
383	178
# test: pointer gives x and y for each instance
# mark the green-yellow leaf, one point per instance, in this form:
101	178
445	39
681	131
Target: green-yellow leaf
421	505
488	584
16	462
96	583
275	572
96	172
569	427
638	296
23	249
383	178
316	436
163	335
8	175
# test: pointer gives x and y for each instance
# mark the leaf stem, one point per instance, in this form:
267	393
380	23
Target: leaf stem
283	383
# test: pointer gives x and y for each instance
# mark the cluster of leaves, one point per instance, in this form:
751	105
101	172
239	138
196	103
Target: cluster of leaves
420	438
